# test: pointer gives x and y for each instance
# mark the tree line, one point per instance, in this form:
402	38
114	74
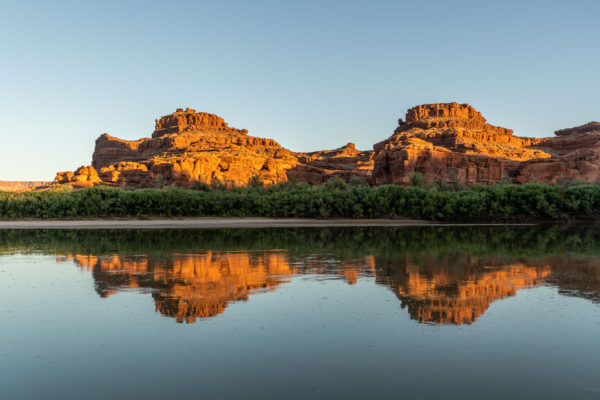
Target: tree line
334	199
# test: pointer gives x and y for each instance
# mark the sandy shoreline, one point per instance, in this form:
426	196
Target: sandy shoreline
194	223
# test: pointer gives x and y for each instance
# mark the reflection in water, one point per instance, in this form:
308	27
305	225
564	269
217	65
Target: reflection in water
449	290
189	286
456	290
446	276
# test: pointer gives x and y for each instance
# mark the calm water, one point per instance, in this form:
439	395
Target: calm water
418	313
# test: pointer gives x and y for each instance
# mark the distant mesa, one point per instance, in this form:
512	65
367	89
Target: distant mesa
20	186
447	142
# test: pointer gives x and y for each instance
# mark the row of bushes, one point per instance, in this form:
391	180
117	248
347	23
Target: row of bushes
331	200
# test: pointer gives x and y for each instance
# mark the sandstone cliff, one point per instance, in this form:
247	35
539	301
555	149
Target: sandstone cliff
446	142
452	142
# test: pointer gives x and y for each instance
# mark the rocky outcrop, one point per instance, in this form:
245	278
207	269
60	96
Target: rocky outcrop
190	120
187	146
583	130
452	142
84	176
345	163
445	142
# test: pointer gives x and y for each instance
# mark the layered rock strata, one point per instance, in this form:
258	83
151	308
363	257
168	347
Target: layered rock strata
452	142
445	142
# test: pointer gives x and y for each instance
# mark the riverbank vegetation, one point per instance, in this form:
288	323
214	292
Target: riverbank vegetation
334	199
502	241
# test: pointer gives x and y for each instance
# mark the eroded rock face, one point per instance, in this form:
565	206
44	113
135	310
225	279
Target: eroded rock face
452	142
345	163
446	142
187	146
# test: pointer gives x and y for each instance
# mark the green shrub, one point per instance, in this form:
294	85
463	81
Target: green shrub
417	179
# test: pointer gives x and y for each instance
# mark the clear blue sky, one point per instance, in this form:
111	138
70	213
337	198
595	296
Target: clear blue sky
310	74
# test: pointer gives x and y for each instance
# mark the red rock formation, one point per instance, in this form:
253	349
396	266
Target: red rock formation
447	142
187	146
452	142
346	163
575	155
587	129
84	176
189	120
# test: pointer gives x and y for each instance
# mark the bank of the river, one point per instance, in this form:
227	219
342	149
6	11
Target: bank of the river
209	222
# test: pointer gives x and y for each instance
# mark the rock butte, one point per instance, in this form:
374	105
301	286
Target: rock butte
445	142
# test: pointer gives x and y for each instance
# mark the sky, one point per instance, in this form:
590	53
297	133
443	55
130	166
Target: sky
310	74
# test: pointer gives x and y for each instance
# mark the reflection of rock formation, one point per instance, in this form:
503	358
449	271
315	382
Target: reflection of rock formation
349	270
189	286
443	288
442	293
578	277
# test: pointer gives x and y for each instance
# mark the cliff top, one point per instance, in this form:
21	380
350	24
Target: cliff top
190	120
444	111
448	116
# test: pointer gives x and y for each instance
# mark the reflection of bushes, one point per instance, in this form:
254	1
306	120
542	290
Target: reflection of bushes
333	199
500	241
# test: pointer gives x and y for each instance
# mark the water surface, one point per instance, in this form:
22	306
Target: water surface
417	312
